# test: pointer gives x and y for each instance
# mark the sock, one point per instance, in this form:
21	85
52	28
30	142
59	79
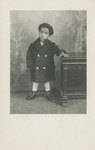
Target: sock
47	86
35	86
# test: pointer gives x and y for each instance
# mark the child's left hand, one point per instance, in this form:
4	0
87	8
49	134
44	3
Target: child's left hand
63	54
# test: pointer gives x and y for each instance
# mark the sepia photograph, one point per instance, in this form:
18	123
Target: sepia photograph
48	62
47	75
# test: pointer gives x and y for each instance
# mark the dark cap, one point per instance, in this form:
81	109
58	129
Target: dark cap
46	25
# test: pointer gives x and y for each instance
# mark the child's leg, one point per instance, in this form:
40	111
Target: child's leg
35	86
34	90
47	86
50	95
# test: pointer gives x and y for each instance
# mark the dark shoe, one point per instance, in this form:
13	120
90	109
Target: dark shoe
50	96
31	96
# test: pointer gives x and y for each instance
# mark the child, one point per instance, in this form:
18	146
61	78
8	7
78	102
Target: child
40	59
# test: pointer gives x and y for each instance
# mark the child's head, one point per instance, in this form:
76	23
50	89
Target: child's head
45	30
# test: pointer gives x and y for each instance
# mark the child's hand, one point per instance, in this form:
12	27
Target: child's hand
64	55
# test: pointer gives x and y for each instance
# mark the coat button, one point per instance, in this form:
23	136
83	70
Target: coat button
44	67
37	67
45	55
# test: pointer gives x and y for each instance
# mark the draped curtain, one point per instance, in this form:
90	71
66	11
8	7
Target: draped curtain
80	19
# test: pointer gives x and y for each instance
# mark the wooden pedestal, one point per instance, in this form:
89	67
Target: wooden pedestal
73	79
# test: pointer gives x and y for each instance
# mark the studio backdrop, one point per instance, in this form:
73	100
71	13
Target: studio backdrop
69	34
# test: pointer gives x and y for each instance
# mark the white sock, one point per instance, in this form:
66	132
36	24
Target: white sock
47	86
35	86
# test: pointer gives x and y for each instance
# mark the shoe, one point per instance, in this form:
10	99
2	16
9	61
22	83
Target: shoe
33	95
50	96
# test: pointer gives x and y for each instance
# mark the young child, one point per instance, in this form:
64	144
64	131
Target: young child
40	59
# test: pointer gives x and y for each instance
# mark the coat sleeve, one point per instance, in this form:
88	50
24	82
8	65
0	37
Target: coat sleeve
29	60
58	50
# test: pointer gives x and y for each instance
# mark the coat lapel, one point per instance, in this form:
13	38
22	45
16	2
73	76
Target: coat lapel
37	45
44	47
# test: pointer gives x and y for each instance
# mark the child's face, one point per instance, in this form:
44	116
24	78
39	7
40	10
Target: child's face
44	34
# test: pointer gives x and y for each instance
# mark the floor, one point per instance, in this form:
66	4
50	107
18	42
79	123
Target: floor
40	105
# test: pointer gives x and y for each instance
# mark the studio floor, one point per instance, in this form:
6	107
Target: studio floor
40	105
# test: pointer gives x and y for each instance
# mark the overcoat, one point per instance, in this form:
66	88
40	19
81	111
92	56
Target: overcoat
40	59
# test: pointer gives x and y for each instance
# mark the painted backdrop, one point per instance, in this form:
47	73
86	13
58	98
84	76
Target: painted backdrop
69	34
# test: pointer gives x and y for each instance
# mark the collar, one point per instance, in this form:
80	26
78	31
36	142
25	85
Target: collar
41	43
46	45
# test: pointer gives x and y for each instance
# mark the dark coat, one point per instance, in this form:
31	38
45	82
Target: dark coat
40	59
